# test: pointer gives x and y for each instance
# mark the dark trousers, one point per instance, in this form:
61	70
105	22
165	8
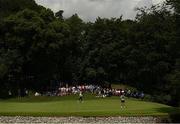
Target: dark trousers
80	98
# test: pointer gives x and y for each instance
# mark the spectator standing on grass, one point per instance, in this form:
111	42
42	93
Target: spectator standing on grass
128	93
26	92
142	95
122	97
9	93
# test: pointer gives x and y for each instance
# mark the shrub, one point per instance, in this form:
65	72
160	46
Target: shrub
175	116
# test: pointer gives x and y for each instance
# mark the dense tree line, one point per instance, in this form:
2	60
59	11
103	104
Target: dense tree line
37	46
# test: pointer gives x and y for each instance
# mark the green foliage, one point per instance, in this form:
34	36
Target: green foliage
9	7
3	70
59	14
174	84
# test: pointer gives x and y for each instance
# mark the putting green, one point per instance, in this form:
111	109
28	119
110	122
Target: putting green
70	106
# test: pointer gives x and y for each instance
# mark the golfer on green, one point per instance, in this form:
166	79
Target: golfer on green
80	96
122	97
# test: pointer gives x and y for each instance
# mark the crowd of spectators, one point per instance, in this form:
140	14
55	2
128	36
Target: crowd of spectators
99	91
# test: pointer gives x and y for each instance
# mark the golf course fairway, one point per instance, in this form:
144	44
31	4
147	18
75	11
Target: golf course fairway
70	106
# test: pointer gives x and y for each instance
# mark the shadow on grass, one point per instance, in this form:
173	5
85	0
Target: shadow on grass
31	99
173	114
166	109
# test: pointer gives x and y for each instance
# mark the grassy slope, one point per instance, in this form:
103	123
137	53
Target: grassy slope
69	106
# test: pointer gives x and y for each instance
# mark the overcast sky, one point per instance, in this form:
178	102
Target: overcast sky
89	10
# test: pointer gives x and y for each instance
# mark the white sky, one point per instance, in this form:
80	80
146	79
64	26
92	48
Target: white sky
89	10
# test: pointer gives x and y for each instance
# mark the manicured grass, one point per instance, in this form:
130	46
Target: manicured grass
92	106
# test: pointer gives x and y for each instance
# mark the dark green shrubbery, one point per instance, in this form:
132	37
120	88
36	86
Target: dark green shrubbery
175	116
162	98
